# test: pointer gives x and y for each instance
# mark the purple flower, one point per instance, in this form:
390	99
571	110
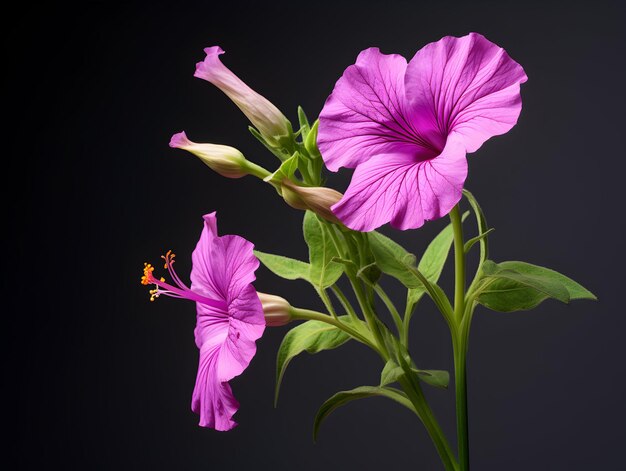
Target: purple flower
229	317
406	128
261	112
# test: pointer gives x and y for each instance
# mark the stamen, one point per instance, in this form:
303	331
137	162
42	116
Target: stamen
180	290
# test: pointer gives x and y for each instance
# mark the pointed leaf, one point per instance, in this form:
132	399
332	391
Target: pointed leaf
285	171
285	267
394	260
343	397
436	378
310	143
304	122
481	221
575	290
324	271
312	337
470	243
506	290
390	373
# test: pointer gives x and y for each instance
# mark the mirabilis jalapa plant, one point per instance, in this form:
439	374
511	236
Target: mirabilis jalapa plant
406	129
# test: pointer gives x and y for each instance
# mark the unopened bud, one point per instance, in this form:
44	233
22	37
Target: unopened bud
268	119
317	199
277	310
225	160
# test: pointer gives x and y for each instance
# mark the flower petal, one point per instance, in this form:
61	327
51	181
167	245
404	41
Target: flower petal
246	325
213	399
397	188
222	266
466	86
366	113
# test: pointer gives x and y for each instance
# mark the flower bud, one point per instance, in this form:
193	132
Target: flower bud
276	309
317	199
225	160
268	119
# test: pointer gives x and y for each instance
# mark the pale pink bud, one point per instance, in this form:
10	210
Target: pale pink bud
277	310
225	160
317	199
268	119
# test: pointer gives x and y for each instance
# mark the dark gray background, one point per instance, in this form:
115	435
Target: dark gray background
99	378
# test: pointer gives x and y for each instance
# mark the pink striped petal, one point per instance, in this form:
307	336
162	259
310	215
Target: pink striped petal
397	188
465	86
367	113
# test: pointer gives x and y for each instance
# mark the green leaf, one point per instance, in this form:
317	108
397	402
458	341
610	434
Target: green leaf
470	243
481	221
343	397
369	273
285	267
324	270
392	372
575	290
518	286
310	336
394	260
436	378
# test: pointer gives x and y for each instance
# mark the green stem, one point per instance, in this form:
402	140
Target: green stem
370	317
408	313
413	390
459	264
460	336
256	170
344	302
391	308
327	303
309	315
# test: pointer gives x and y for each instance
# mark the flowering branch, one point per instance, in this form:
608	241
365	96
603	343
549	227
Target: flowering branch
406	129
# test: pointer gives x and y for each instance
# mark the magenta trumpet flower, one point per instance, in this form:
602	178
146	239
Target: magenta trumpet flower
229	317
406	128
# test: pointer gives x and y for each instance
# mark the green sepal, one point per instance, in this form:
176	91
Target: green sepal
284	267
310	142
343	397
278	152
305	127
286	171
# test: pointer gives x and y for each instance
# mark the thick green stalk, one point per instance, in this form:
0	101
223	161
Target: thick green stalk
460	336
459	264
413	390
